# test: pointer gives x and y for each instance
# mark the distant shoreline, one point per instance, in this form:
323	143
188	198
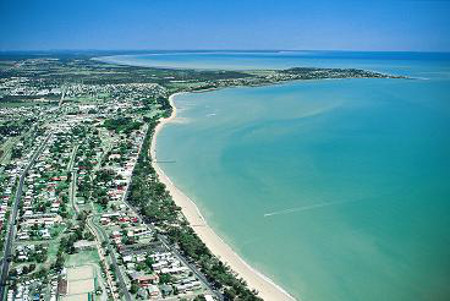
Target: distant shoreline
268	290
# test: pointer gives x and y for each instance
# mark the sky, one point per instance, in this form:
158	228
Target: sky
378	25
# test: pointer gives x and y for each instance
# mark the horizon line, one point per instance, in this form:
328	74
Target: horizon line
54	50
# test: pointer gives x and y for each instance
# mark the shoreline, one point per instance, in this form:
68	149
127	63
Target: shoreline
267	289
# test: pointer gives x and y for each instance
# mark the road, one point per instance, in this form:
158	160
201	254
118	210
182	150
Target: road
4	270
99	232
72	198
96	231
104	237
191	267
166	243
72	158
63	95
180	257
101	253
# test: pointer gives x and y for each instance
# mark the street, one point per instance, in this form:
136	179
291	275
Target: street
5	264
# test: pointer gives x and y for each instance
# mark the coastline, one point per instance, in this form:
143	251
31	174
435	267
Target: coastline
267	289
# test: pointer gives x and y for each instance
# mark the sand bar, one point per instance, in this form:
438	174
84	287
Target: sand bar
267	289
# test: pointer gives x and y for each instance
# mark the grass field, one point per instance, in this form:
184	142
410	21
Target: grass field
82	258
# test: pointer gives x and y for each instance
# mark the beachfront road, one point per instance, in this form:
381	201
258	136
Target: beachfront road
180	257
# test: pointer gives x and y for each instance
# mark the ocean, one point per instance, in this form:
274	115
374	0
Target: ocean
335	189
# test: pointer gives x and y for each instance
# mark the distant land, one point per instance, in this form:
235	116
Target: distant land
92	206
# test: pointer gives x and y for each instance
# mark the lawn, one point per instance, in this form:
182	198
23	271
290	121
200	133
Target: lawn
82	258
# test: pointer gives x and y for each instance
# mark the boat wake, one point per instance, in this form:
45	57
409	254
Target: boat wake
306	208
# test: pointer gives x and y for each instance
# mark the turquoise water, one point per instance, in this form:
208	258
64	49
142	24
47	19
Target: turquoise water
336	189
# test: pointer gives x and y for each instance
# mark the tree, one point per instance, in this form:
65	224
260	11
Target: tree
149	261
134	288
165	278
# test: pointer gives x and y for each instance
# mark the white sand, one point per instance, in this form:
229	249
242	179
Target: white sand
267	289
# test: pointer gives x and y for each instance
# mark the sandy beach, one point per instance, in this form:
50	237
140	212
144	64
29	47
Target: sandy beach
267	289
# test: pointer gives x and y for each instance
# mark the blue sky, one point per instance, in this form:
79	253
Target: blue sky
411	25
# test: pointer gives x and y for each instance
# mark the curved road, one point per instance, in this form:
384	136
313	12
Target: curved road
104	236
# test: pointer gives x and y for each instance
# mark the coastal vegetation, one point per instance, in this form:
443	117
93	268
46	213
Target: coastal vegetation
157	207
122	124
114	111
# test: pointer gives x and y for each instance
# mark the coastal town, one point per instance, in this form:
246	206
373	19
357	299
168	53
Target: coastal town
83	213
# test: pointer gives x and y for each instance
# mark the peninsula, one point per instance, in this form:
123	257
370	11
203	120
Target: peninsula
86	209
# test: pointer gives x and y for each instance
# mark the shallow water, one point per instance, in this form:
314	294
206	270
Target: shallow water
336	189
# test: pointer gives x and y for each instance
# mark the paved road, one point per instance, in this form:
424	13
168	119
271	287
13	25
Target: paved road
164	240
73	183
180	257
101	253
4	270
122	283
192	267
72	158
63	95
91	224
